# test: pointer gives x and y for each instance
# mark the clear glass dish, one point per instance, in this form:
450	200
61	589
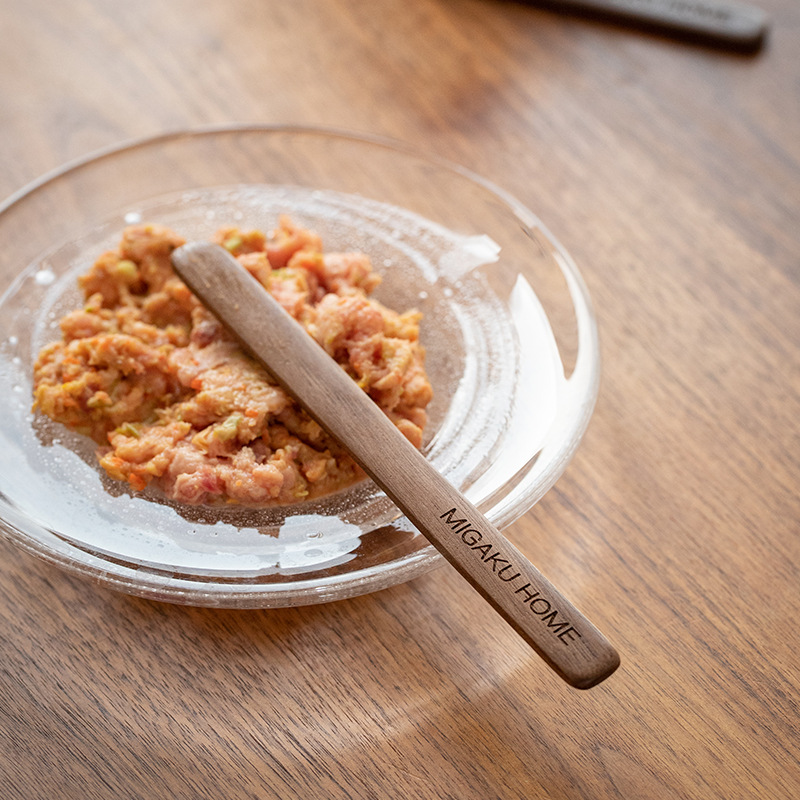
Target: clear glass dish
510	335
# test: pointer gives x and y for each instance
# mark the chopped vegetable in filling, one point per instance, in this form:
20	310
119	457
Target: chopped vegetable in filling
171	400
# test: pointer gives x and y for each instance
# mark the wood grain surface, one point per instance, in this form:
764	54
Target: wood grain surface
671	172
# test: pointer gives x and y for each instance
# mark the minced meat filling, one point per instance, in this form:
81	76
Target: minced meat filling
171	400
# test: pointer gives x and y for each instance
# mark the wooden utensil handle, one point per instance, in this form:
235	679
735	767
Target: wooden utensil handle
566	640
721	21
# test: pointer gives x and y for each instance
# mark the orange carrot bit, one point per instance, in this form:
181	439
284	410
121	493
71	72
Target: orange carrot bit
197	384
136	481
251	412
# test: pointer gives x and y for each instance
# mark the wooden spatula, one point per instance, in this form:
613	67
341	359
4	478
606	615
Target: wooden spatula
544	618
725	23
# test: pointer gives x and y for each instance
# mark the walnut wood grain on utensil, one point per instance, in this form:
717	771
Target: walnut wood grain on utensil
721	22
564	638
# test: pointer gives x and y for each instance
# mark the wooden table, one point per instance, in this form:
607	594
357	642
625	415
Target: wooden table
671	172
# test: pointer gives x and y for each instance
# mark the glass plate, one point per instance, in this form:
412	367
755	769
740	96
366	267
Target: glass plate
509	332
